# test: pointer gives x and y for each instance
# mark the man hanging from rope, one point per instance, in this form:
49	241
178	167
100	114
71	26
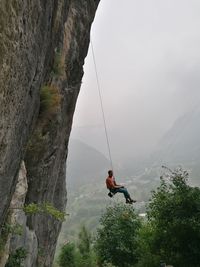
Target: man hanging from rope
115	188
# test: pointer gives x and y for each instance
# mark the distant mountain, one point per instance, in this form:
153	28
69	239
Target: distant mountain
180	146
181	143
85	164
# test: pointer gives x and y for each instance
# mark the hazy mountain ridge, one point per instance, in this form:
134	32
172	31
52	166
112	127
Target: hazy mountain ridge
85	164
181	142
179	147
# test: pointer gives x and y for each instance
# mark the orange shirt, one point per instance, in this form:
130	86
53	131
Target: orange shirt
110	182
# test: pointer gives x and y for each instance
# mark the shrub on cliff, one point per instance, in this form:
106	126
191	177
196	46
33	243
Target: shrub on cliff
49	100
44	208
58	66
16	258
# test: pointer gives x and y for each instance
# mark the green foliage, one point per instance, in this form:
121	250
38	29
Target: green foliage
45	208
117	237
8	228
145	237
85	254
107	264
4	237
79	255
15	229
67	256
51	210
84	241
173	230
85	261
58	66
36	147
16	259
49	100
32	209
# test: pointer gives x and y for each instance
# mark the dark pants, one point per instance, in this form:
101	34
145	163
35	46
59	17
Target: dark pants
121	190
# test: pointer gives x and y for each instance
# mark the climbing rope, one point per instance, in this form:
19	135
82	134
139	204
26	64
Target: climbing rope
102	108
169	146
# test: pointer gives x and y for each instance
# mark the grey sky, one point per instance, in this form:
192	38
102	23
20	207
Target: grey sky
148	60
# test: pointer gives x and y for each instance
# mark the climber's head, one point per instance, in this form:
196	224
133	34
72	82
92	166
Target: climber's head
110	173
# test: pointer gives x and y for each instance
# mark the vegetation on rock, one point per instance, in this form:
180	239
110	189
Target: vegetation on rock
49	100
16	258
7	229
45	208
58	66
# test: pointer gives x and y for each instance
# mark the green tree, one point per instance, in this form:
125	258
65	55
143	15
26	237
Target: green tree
16	258
80	254
145	240
172	233
67	256
116	241
85	256
84	241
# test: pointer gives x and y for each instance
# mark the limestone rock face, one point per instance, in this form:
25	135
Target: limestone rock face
21	236
27	239
25	40
42	45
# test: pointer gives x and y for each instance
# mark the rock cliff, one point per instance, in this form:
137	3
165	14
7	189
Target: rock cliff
42	49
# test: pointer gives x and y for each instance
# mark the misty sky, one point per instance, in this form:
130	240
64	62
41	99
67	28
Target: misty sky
148	60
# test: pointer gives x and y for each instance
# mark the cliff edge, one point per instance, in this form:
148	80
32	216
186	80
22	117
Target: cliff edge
43	45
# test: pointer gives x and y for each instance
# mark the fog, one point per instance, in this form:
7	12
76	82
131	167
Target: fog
148	62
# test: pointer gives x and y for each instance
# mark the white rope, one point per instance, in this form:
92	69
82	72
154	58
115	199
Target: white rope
102	108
